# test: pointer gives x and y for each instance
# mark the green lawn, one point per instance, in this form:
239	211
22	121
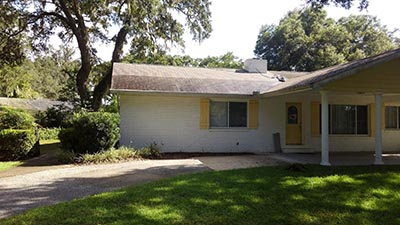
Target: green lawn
9	165
267	195
48	142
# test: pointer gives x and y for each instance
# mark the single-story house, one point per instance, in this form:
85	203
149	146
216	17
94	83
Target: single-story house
345	108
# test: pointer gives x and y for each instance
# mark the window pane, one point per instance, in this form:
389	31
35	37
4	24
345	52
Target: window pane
390	117
343	119
362	119
238	114
292	117
218	114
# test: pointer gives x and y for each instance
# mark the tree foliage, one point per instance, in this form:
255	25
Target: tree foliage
347	4
46	75
12	42
147	23
228	60
307	40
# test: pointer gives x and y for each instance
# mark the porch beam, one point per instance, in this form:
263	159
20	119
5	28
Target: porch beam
378	129
324	129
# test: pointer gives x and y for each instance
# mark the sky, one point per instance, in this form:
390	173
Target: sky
236	24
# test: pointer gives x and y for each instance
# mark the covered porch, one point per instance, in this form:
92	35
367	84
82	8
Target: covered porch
374	79
370	86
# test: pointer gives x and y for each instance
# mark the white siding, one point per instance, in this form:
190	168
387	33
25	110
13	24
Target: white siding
173	123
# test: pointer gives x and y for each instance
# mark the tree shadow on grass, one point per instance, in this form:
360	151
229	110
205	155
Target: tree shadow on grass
267	195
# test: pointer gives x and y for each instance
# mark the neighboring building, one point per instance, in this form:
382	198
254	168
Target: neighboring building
32	105
349	107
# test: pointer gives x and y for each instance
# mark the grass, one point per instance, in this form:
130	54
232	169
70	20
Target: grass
49	142
266	195
9	165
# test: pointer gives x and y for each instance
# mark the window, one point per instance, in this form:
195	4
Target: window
228	114
348	119
392	117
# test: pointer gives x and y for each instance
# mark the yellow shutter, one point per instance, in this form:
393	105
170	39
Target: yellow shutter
204	113
383	116
372	119
315	119
253	114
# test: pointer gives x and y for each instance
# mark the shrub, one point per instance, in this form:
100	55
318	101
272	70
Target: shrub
67	138
18	144
66	157
91	132
56	116
11	118
110	156
49	133
150	152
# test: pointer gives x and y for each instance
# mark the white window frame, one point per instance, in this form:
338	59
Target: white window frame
356	118
229	101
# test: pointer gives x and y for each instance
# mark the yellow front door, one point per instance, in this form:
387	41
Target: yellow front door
293	124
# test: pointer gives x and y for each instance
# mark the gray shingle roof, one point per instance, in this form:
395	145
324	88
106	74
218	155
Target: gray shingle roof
31	104
172	79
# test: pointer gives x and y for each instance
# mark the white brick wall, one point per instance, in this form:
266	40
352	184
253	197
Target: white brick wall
173	123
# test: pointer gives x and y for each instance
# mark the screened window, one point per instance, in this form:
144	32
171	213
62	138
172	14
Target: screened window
348	119
392	117
228	114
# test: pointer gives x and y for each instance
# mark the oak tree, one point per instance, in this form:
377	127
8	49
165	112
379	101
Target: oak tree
137	22
307	40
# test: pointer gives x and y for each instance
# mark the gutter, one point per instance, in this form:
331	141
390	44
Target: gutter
287	91
185	94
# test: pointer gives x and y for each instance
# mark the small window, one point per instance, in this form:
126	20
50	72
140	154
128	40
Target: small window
392	117
228	114
292	117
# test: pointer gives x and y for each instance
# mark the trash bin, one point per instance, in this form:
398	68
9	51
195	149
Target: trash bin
277	142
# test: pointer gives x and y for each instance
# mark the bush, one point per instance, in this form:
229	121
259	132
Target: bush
110	156
150	152
49	133
11	118
66	157
18	144
67	138
91	132
54	117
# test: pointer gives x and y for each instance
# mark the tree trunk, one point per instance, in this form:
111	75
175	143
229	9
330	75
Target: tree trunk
81	34
104	85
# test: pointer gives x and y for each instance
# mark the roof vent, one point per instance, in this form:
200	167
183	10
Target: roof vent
256	65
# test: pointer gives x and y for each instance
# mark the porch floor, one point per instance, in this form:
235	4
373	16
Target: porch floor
338	158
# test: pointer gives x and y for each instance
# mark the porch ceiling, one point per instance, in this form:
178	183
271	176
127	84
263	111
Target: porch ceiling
378	73
384	78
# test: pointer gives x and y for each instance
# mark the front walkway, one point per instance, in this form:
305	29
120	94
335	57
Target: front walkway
338	158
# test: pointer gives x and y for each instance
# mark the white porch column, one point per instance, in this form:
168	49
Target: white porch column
324	129
378	129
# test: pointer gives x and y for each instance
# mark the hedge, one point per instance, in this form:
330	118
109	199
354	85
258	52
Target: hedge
91	132
18	144
49	133
15	119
